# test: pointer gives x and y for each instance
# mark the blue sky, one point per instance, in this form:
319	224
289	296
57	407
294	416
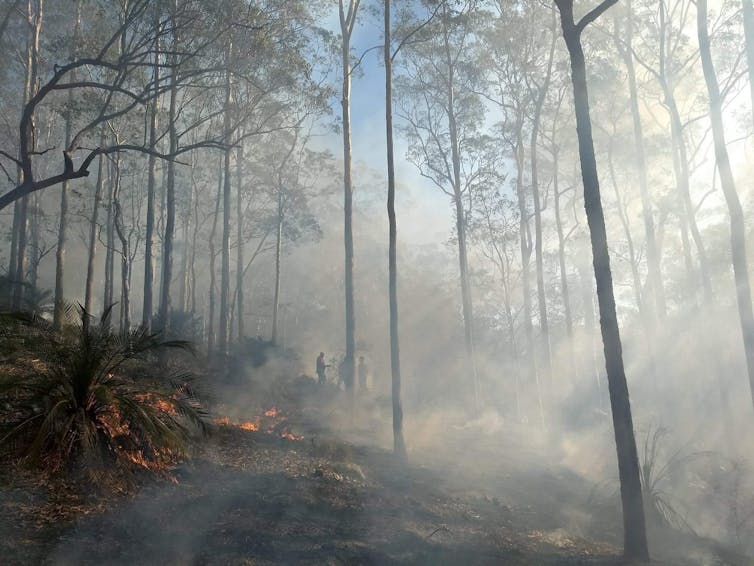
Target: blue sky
423	211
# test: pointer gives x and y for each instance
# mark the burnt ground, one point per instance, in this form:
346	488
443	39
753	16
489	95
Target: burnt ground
333	497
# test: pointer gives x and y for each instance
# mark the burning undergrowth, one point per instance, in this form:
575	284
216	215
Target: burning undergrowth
272	421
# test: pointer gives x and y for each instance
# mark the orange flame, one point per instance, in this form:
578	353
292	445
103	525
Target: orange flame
272	419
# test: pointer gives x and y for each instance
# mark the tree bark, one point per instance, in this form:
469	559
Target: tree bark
466	301
635	539
212	258
654	273
240	244
93	235
278	255
748	16
347	22
399	445
222	341
167	242
524	233
727	183
125	260
148	296
109	243
544	327
59	305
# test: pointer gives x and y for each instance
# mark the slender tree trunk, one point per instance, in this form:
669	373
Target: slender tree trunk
183	290
93	235
623	216
34	228
14	241
59	305
125	260
212	267
167	241
526	249
748	16
34	20
347	22
654	273
564	290
239	250
544	326
278	255
225	256
635	539
148	300
737	226
109	243
466	301
192	261
399	445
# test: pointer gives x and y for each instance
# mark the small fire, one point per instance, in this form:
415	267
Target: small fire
162	404
270	422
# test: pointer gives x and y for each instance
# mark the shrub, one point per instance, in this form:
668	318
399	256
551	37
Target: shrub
94	402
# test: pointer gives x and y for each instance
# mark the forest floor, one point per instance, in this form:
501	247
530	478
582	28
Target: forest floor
308	489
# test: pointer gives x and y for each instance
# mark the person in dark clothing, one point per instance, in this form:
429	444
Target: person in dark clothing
322	369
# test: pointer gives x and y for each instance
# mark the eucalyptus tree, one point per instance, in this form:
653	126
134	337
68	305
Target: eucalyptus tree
443	119
635	537
510	52
347	13
728	185
623	38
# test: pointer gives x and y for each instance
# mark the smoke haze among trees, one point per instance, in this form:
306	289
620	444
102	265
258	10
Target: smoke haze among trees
563	266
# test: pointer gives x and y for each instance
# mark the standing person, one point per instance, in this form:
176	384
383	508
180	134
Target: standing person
363	371
322	368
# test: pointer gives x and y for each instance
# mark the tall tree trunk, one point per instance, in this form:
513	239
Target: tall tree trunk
34	20
93	236
148	293
347	22
212	267
109	242
278	255
222	342
14	241
737	226
125	260
399	445
524	233
654	273
564	290
748	16
59	306
466	301
184	290
240	243
687	215
544	327
34	228
635	538
167	241
192	261
624	220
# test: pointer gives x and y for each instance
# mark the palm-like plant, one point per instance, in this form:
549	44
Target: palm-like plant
95	400
656	472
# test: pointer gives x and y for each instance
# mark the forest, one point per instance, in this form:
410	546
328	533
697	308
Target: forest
376	282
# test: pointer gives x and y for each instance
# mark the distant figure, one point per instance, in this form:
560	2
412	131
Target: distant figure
362	371
322	368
